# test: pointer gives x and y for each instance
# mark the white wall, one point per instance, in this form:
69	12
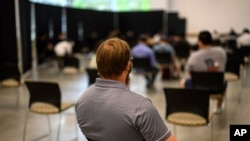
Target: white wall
221	15
159	4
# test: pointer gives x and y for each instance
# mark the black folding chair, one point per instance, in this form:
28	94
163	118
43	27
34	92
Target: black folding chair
188	107
92	74
45	98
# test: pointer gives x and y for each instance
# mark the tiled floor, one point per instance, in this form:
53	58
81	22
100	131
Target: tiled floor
14	103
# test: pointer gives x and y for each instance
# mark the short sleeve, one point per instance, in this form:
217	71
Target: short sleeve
149	122
188	65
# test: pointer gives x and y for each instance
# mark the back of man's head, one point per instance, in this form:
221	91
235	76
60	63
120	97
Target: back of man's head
143	38
112	57
163	38
205	37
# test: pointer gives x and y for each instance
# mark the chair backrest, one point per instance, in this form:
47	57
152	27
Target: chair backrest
9	70
212	81
163	57
231	43
234	61
236	55
182	49
245	50
47	92
92	74
141	63
187	100
71	62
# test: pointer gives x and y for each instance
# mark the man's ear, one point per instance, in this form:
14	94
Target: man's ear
128	66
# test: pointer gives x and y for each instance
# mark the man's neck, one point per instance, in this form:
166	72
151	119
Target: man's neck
205	46
120	78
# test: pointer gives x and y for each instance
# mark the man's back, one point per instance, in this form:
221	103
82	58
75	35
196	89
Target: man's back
164	48
143	51
203	59
243	40
108	110
63	48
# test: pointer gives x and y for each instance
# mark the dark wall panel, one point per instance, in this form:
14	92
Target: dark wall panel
46	14
92	21
141	22
181	27
74	17
176	25
25	30
8	48
98	21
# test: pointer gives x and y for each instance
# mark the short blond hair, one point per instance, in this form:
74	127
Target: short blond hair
112	57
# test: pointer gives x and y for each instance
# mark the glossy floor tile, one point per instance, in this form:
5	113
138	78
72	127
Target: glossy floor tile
14	104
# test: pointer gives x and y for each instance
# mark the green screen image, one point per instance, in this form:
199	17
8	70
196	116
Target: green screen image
107	5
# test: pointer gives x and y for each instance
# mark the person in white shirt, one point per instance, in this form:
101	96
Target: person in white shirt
64	48
244	39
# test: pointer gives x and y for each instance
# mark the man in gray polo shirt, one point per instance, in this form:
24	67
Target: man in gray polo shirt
109	111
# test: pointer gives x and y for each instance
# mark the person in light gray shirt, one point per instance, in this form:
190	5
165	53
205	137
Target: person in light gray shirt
207	58
109	111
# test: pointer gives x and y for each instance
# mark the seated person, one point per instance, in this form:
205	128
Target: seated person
182	47
63	49
44	47
164	46
142	50
206	58
244	39
109	111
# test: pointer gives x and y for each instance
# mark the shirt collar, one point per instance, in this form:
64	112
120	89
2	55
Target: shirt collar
100	82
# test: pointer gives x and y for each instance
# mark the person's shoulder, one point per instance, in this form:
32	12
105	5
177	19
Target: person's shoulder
61	43
196	53
135	47
156	46
218	49
137	97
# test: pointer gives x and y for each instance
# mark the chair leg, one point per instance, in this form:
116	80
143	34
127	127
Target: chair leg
211	131
76	128
175	131
25	125
17	98
49	126
225	113
59	128
240	91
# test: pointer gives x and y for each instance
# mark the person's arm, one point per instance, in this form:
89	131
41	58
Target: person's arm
152	59
150	124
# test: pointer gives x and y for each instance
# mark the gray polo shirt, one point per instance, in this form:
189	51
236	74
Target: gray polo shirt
109	111
202	59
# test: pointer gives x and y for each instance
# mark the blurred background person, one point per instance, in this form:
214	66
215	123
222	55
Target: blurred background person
44	47
142	50
244	38
163	46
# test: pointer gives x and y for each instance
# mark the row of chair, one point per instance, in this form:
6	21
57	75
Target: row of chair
188	107
45	98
